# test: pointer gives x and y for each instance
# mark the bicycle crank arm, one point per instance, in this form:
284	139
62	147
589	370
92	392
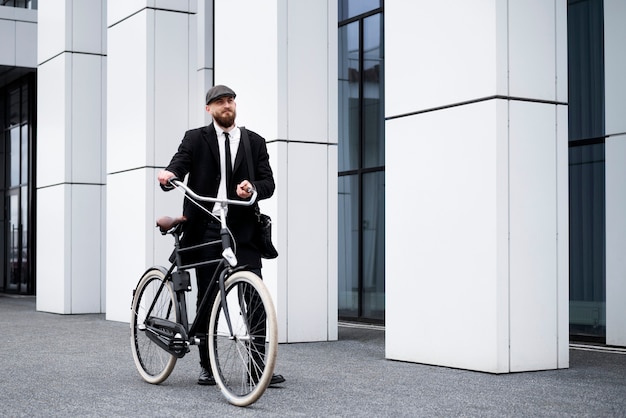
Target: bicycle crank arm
168	335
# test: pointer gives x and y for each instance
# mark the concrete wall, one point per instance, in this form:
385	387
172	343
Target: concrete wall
71	148
151	102
477	257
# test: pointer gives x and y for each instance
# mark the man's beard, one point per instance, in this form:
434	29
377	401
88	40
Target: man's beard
225	120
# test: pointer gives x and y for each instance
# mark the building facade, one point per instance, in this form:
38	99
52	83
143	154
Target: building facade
453	169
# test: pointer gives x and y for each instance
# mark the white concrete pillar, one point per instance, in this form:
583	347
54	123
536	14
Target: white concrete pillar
281	59
615	166
477	249
71	156
151	103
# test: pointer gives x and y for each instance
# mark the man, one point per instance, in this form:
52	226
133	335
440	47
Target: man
203	155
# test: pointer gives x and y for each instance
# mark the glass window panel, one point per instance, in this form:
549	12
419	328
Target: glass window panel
373	109
13	243
24	104
352	8
348	258
585	48
586	169
14	107
14	153
374	245
349	97
24	155
4	137
587	240
24	276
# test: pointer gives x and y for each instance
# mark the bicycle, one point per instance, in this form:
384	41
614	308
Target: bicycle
242	334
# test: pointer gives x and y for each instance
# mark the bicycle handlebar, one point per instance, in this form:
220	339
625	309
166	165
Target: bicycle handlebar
177	183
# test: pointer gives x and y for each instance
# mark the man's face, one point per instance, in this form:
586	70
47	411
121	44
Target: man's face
223	111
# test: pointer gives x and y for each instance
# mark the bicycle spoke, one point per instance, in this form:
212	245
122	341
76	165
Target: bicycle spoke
245	360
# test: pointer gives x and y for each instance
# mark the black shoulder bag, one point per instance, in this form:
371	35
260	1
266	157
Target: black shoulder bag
263	230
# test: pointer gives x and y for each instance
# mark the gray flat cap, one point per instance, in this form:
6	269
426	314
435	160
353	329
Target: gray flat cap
218	91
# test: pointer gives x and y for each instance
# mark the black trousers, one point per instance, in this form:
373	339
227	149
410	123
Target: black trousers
204	276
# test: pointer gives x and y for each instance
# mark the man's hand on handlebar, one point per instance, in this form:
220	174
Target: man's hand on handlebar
164	178
244	189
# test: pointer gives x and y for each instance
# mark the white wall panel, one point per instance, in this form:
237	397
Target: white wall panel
7	49
533	227
532	71
87	141
18	13
127	232
247	60
276	272
53	255
307	74
449	212
561	52
87	248
307	244
51	30
127	98
178	5
615	240
502	47
437	53
204	64
120	10
615	152
52	121
562	202
87	20
26	44
332	243
172	75
615	65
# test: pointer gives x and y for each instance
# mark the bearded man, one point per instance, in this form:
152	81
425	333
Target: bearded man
217	166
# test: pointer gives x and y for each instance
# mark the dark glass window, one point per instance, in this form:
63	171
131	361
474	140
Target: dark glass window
17	123
351	8
361	162
586	169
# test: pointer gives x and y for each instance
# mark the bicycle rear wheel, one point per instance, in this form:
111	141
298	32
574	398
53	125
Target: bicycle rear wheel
243	363
153	363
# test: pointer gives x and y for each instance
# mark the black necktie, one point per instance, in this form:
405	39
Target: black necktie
229	164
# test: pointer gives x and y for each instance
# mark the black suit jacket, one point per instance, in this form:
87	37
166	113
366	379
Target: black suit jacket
198	157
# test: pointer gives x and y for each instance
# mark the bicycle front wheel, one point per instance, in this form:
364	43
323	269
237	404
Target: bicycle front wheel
243	339
153	298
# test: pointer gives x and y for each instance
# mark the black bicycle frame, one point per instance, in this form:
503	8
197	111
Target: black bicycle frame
180	278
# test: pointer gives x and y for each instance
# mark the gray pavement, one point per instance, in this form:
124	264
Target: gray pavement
81	366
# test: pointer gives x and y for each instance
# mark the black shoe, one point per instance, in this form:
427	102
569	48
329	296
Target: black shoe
276	379
206	378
